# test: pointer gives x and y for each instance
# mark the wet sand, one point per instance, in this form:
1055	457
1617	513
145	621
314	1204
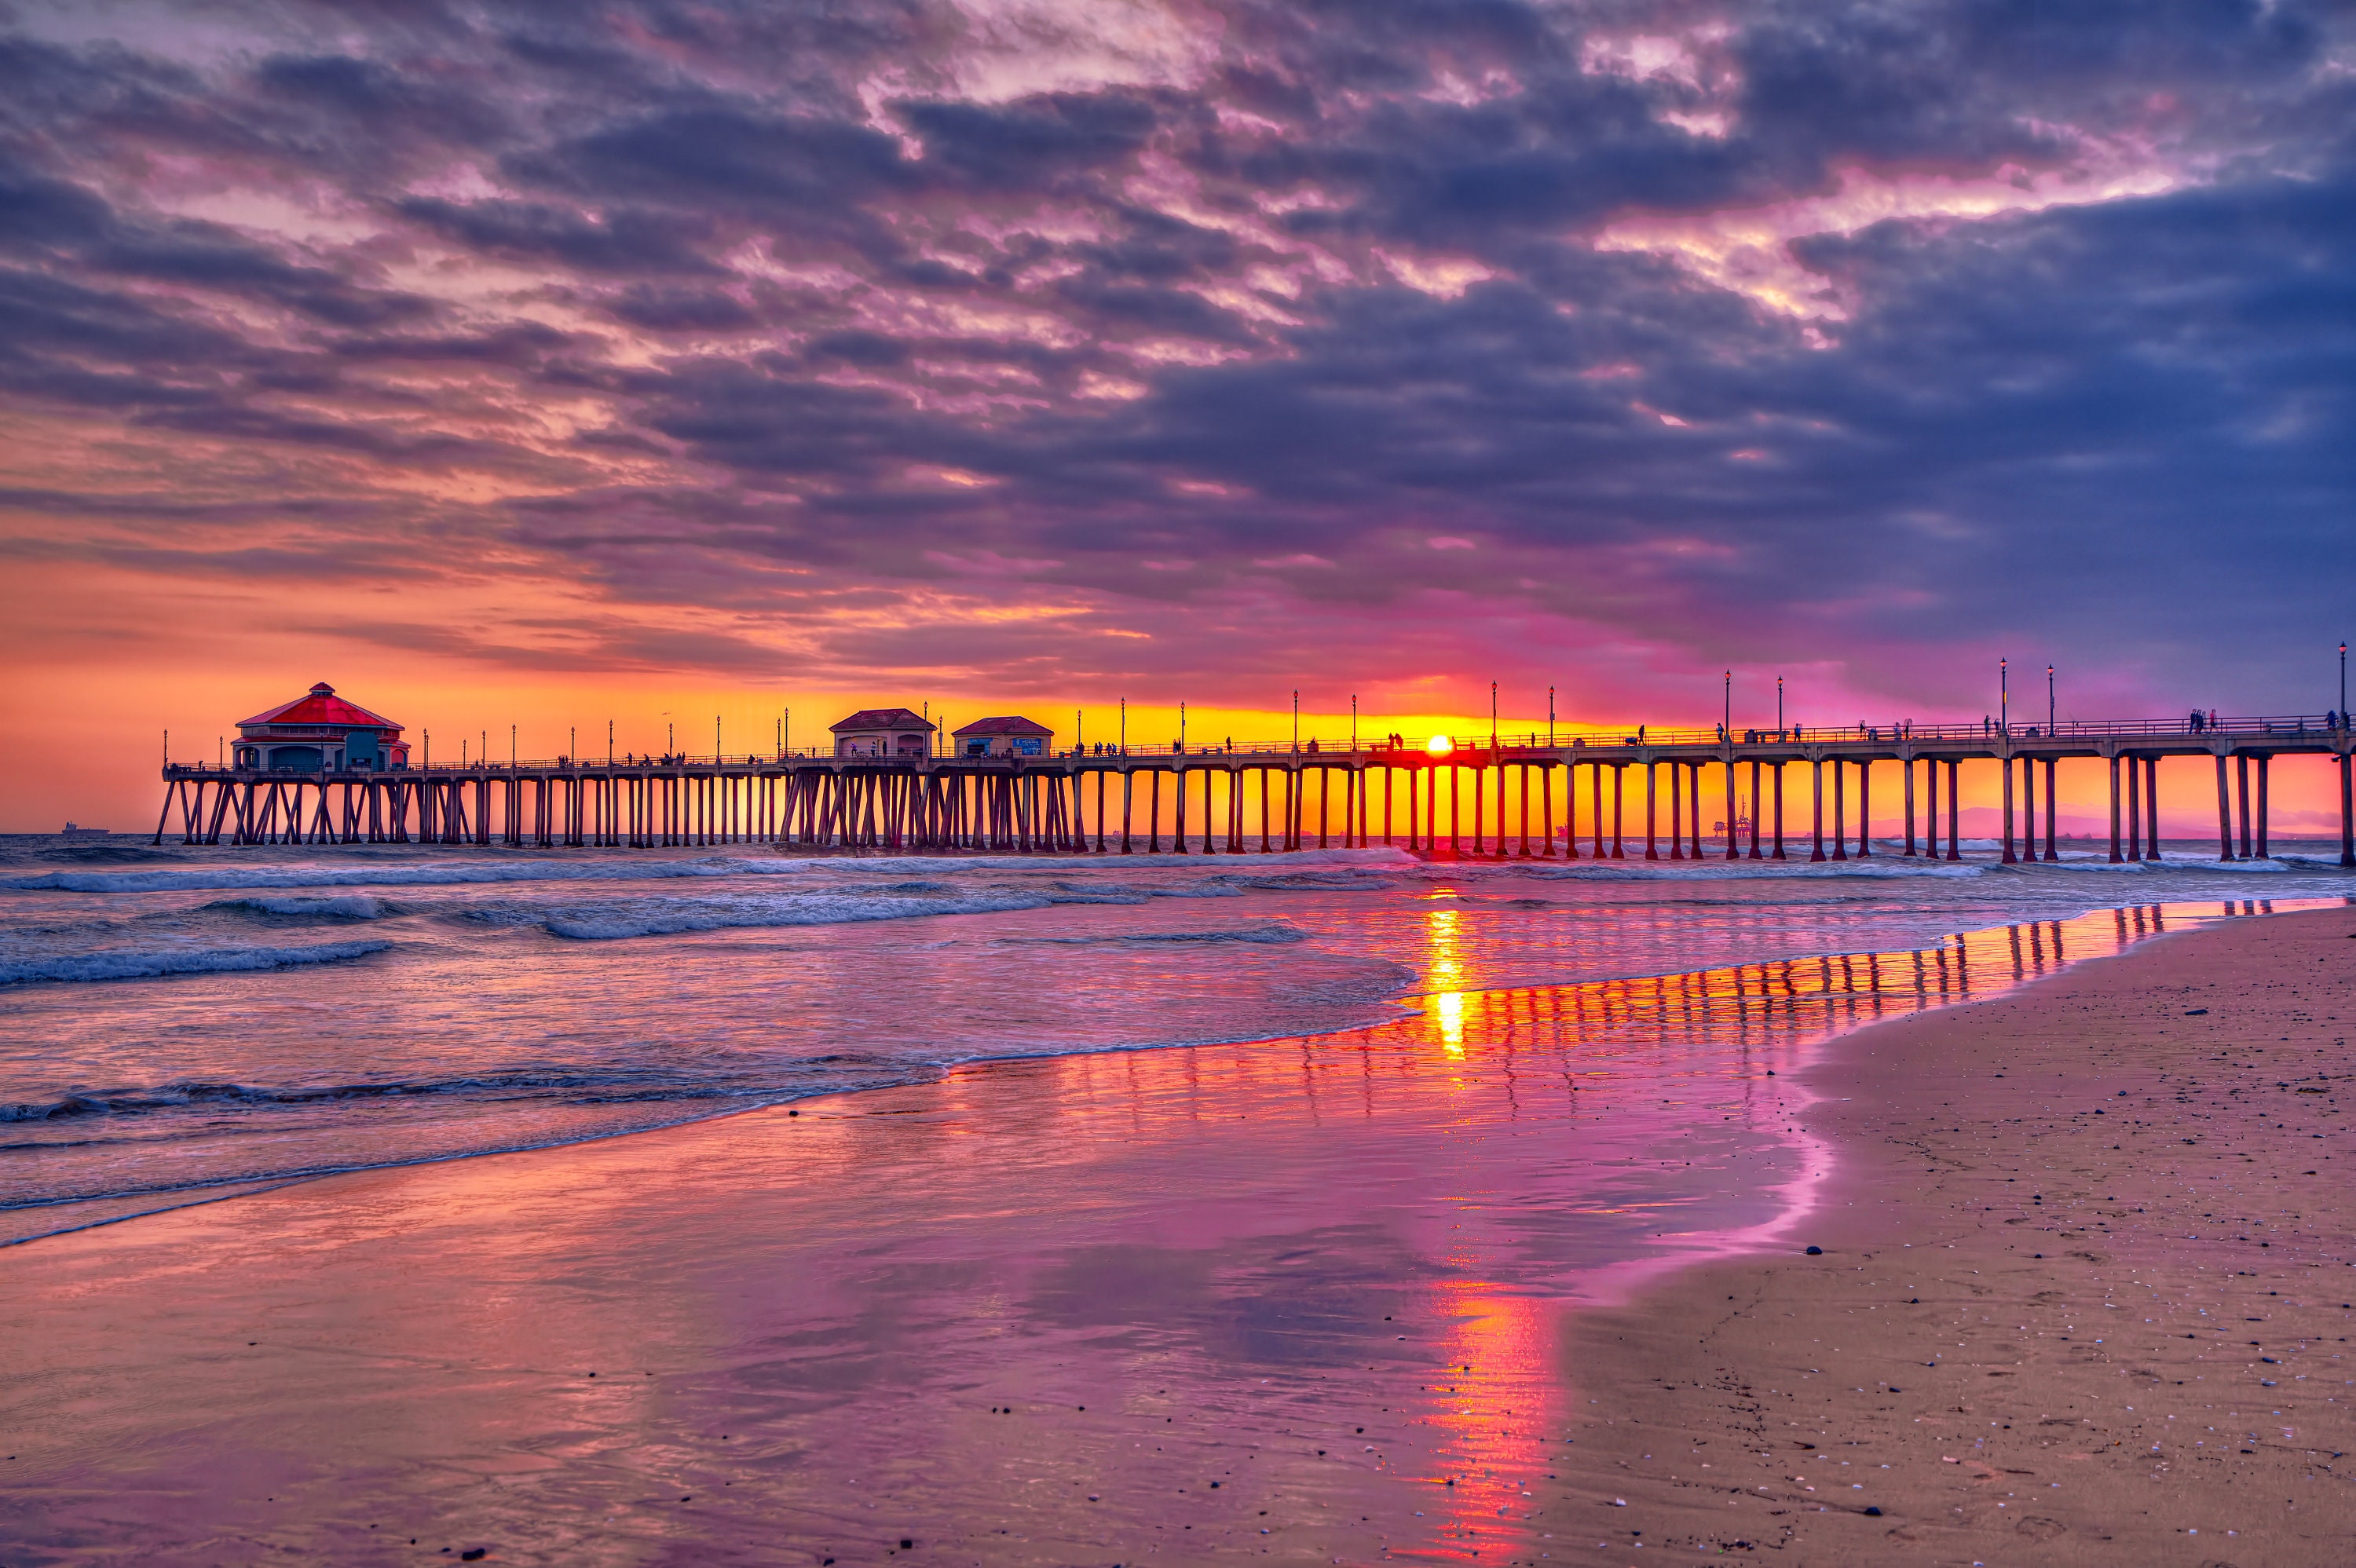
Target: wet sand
1312	1300
2085	1295
1300	1299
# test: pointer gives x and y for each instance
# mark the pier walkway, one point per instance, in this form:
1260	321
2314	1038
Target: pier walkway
1504	797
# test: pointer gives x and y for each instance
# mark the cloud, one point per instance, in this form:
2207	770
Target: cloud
1866	337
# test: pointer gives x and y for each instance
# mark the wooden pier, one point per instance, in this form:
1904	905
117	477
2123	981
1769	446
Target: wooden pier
1505	800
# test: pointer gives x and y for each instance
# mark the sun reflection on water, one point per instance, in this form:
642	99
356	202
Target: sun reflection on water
1444	963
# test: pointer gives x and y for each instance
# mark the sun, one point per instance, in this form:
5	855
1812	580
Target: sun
1441	745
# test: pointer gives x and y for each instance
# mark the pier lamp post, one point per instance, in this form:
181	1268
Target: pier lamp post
1296	718
715	740
483	751
1079	733
2343	683
2003	694
572	744
2049	700
1549	725
785	729
1182	728
1725	729
609	743
1354	728
1124	728
1778	707
1493	718
511	747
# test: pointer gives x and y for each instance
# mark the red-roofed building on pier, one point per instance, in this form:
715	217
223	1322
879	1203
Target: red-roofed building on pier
320	731
1010	735
884	733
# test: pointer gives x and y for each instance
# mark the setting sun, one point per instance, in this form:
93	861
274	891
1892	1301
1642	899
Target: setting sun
1441	745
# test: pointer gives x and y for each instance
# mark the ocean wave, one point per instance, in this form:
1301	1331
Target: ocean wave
341	906
839	905
484	869
1266	933
105	854
582	1087
146	964
455	873
671	917
1796	868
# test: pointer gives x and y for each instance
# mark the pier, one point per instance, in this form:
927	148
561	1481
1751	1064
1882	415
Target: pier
1645	795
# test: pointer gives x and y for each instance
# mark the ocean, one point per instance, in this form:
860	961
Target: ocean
186	1025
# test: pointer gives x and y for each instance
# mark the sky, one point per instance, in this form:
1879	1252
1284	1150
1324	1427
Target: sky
543	364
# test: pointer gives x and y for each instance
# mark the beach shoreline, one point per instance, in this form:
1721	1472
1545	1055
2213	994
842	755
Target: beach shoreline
2083	1295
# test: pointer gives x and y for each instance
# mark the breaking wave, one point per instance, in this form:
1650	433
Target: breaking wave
343	906
147	963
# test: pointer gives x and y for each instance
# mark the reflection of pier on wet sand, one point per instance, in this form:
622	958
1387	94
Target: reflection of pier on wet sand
1500	800
1027	1313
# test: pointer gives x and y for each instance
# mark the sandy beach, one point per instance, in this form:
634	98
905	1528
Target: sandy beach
2084	1293
1315	1300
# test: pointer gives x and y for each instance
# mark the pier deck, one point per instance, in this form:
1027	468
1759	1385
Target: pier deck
1107	800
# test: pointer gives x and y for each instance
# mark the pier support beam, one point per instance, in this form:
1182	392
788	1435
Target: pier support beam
1930	816
2224	813
2347	818
1595	804
1754	809
1677	811
1816	799
2151	805
2005	766
1455	836
2051	809
1779	811
1652	836
1906	767
1864	808
1733	848
2136	805
1619	807
1954	810
1570	811
1694	796
2242	768
1840	811
2263	854
2028	808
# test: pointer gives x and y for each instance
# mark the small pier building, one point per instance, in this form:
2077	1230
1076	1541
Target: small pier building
320	731
1009	736
884	733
